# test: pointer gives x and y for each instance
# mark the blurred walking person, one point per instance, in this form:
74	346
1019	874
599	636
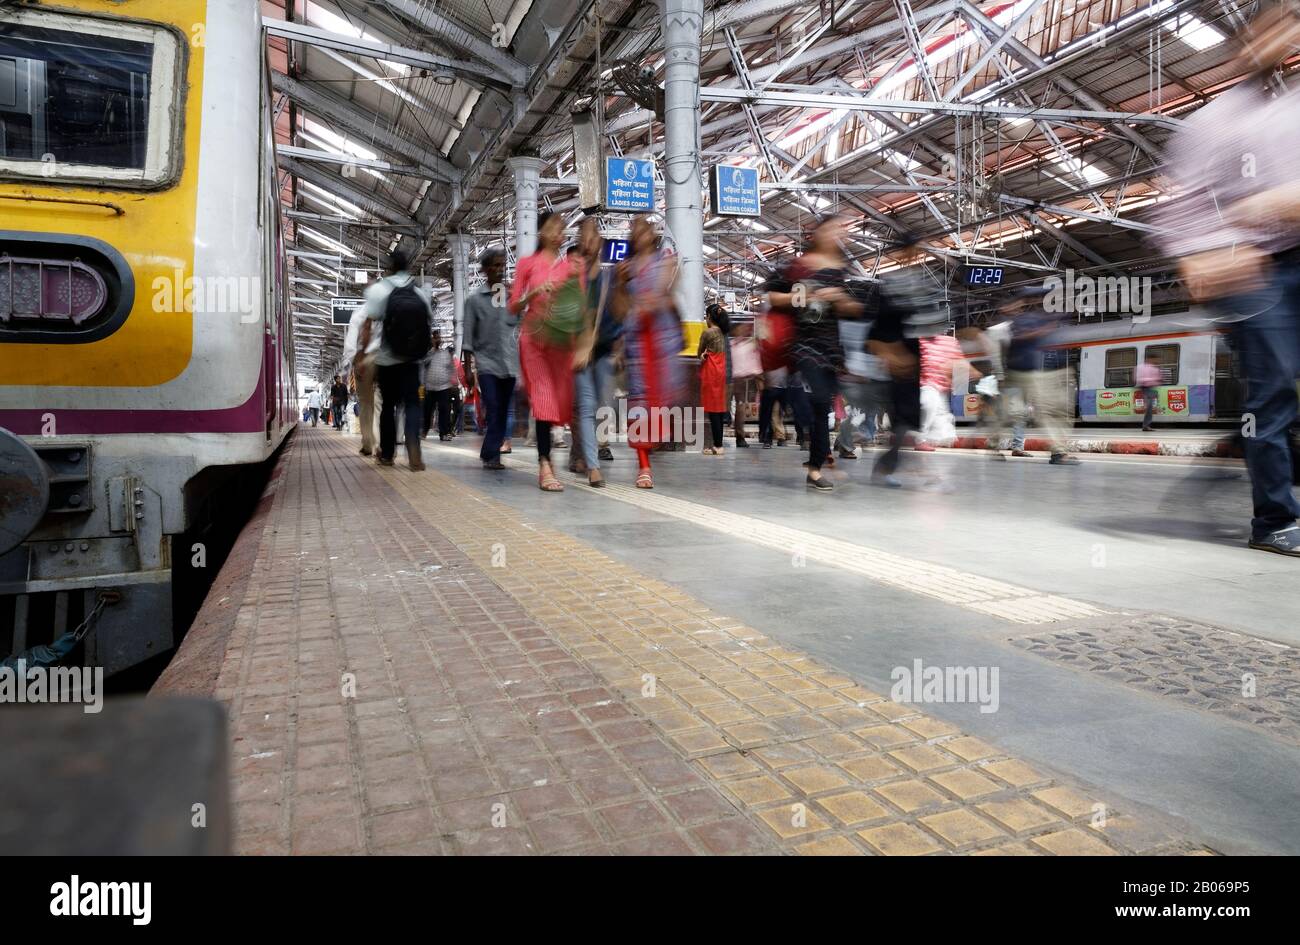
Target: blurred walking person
594	362
547	295
439	384
652	340
362	358
338	401
1238	235
400	313
1148	385
491	354
816	291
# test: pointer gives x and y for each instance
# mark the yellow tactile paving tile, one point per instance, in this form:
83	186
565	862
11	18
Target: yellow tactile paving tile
827	766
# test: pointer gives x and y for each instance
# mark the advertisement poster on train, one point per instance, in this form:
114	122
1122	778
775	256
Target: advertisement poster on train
1128	402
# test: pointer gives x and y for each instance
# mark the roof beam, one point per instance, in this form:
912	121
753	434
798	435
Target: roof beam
438	24
473	71
334	108
347	160
366	199
815	98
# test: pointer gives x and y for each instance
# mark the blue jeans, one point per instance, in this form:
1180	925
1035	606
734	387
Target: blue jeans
1269	341
399	384
592	385
496	392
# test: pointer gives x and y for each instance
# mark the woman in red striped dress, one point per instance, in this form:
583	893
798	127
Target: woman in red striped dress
546	364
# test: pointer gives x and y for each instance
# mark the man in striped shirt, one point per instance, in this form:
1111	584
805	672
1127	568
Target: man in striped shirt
439	377
1236	229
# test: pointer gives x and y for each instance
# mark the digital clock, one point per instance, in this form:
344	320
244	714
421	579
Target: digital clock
984	275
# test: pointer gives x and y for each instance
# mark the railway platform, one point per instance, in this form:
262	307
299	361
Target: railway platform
454	662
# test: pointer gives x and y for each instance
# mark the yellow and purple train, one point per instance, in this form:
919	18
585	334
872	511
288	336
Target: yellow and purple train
146	355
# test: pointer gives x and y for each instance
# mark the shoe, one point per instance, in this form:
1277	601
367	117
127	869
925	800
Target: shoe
1148	429
1284	541
780	442
886	479
606	454
1064	459
383	462
365	451
821	485
845	454
997	454
767	445
494	464
923	447
742	443
1021	453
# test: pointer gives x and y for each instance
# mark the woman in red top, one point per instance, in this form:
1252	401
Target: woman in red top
712	353
546	366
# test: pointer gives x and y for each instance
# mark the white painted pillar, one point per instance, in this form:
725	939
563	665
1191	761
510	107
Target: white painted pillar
460	247
528	170
683	191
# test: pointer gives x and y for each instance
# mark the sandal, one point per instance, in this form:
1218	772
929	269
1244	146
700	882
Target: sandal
546	480
708	451
644	480
595	483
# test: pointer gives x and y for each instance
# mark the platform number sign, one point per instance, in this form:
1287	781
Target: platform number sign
615	251
629	185
984	275
341	310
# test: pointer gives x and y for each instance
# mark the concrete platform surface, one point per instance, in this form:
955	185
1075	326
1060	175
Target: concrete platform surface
455	662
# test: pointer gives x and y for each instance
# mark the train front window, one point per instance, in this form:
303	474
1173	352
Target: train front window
86	99
1121	367
1166	358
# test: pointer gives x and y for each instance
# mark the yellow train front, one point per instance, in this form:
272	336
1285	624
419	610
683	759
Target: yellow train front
145	358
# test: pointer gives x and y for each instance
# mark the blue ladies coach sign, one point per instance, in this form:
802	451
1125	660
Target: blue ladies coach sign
734	191
629	185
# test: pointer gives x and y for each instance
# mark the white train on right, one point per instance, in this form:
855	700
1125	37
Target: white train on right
1200	373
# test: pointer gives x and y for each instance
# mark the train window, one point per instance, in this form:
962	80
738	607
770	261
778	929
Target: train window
92	99
1121	367
1166	358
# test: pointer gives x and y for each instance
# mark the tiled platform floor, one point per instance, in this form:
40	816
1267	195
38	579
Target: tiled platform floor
417	668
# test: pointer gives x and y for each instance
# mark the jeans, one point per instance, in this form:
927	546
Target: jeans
1149	395
1269	341
771	398
822	384
399	384
904	418
800	408
591	386
339	412
497	393
439	400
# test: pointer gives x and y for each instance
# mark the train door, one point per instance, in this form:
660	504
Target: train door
1229	389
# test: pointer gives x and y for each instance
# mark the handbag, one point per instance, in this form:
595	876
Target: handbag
775	332
745	359
565	315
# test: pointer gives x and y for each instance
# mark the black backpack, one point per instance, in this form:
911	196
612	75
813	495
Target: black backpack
406	323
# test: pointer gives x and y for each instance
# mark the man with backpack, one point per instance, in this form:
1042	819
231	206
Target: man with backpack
399	314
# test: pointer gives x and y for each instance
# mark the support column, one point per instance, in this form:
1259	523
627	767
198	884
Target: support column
682	23
528	171
460	247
